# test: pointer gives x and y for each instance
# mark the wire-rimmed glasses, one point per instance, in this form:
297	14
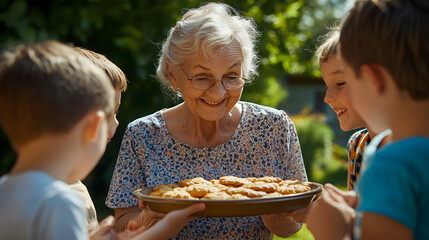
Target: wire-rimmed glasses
229	82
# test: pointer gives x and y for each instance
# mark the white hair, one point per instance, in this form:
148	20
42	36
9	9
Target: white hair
201	31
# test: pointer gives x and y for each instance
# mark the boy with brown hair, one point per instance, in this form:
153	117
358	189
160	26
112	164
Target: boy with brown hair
40	87
54	104
384	47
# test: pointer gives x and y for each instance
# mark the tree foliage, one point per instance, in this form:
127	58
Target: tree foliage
130	33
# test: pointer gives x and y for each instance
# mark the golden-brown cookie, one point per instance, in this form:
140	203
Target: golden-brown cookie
292	188
239	197
159	190
178	194
269	179
233	181
192	181
246	192
200	190
273	194
217	196
262	186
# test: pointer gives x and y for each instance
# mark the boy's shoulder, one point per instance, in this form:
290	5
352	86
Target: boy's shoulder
36	185
410	153
39	201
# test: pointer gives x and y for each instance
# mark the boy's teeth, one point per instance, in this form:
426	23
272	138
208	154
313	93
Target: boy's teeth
341	111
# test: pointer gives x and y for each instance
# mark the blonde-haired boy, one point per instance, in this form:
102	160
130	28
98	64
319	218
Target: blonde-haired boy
119	83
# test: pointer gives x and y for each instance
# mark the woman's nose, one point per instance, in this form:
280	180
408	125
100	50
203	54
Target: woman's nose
217	89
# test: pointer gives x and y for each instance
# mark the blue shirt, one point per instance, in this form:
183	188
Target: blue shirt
396	184
35	206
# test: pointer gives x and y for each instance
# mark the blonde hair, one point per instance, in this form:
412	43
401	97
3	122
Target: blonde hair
115	74
329	46
202	31
47	88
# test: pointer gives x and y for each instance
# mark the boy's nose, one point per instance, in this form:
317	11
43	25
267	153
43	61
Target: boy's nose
328	96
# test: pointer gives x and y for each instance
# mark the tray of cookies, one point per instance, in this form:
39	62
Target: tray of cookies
231	196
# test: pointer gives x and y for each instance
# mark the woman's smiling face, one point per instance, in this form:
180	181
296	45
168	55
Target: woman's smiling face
215	102
338	94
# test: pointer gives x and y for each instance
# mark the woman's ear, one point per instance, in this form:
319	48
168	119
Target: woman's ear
92	126
173	80
377	76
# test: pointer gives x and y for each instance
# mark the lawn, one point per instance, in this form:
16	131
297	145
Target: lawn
303	234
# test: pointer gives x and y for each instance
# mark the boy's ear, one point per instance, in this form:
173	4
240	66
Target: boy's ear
173	81
92	125
376	76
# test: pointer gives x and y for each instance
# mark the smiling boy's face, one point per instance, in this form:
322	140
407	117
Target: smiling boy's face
113	122
338	94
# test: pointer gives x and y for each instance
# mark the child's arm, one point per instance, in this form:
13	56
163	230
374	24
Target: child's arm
332	216
171	224
376	226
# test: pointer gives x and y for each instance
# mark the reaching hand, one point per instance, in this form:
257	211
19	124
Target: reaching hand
332	216
171	224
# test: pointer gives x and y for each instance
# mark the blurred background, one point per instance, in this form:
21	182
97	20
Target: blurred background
130	34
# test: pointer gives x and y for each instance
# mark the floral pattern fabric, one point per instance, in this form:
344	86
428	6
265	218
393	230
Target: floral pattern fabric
265	143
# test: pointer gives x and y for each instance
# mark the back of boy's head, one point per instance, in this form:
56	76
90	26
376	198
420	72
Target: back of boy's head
328	48
47	88
117	77
393	34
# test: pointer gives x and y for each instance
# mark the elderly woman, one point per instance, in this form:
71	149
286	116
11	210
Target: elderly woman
207	59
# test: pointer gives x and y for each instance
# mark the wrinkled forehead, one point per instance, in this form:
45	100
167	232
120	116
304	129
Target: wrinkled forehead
219	54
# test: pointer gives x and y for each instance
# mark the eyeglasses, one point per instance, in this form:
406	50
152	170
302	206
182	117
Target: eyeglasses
229	82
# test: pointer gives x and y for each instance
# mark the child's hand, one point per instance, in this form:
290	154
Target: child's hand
171	224
105	231
332	216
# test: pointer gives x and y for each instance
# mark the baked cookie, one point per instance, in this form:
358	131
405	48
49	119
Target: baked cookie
159	190
200	190
178	194
217	196
292	188
233	181
192	181
269	179
262	186
245	191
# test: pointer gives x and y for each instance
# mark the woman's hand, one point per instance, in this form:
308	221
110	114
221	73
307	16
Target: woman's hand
283	224
332	216
147	218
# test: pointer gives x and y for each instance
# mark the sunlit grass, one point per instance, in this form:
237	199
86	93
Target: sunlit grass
303	234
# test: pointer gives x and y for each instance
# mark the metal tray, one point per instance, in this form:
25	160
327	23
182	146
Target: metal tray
233	208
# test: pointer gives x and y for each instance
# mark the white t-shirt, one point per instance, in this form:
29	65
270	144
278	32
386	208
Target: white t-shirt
35	206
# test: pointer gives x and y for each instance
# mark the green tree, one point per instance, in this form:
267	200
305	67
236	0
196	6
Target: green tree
130	32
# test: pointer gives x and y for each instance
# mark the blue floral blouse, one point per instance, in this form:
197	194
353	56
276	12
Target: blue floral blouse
265	143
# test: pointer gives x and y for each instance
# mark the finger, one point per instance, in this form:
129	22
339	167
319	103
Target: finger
132	225
142	205
192	209
106	224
